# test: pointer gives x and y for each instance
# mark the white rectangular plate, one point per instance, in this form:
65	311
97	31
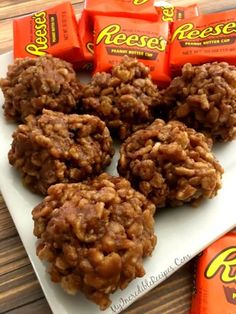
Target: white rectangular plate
182	232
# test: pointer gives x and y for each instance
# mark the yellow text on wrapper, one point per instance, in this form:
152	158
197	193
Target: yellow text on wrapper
188	31
168	14
224	264
112	35
140	2
40	46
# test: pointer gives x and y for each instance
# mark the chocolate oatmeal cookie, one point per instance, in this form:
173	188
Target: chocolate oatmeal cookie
94	235
170	164
204	98
55	147
34	84
125	99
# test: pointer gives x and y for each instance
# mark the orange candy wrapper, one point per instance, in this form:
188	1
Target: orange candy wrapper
145	40
216	278
125	8
142	9
51	31
86	37
202	39
169	13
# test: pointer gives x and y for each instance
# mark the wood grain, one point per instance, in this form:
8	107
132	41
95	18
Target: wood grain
38	306
20	292
12	9
208	6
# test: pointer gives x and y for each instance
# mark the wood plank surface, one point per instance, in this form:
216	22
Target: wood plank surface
12	9
20	292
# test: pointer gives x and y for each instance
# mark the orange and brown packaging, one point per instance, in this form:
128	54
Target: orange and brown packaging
145	40
170	13
202	39
142	9
215	291
85	34
51	31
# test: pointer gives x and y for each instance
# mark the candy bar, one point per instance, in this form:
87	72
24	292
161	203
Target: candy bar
168	13
145	40
215	291
204	39
142	9
85	33
51	31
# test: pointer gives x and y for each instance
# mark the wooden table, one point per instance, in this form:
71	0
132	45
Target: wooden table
20	292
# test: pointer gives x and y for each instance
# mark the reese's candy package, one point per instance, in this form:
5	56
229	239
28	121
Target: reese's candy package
202	39
166	12
145	40
143	9
52	31
216	278
86	36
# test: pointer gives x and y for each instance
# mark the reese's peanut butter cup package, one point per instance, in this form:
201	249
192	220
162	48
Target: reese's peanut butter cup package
86	37
51	31
145	40
166	12
202	39
143	9
215	291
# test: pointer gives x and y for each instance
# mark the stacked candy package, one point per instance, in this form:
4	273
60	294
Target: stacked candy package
105	32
